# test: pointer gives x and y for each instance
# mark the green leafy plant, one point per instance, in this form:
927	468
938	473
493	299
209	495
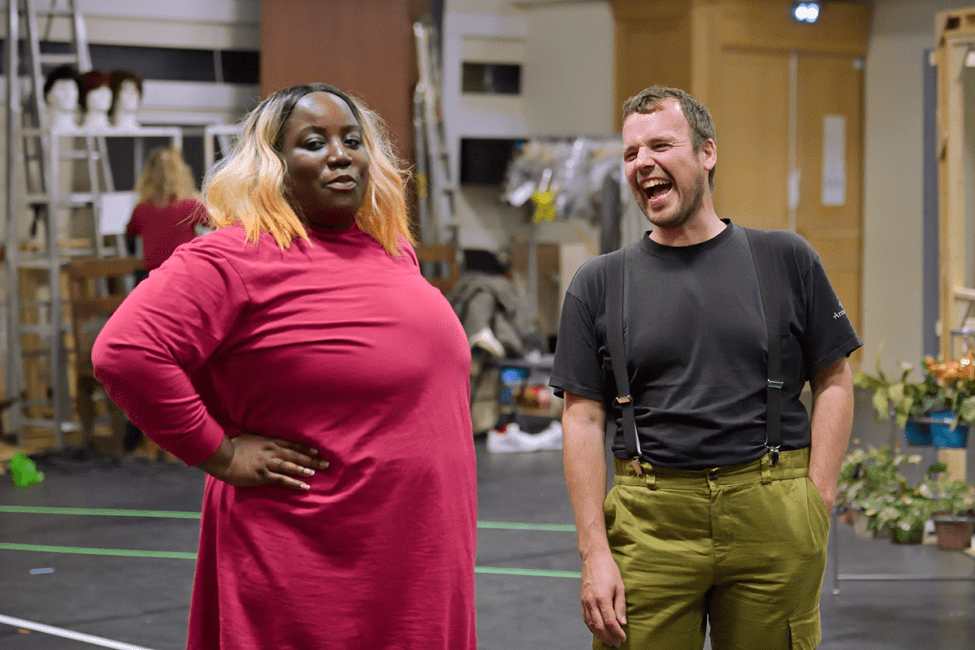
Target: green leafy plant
903	399
867	475
872	482
906	509
952	496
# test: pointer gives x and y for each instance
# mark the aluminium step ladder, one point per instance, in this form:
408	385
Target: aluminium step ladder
36	357
435	191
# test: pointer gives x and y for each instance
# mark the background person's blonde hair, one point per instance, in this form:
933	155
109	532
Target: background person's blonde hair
248	186
165	177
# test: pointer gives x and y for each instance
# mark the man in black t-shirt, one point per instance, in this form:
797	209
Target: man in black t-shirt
708	527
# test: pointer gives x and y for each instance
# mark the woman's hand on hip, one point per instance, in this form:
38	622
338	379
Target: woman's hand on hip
251	459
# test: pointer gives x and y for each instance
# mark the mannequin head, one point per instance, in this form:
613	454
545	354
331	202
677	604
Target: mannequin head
61	88
96	92
96	98
126	91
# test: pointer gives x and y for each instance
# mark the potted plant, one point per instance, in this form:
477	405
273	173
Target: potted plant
870	482
901	398
956	380
850	491
937	409
954	501
906	513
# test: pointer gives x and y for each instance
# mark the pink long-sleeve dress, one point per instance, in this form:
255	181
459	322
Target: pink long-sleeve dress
336	344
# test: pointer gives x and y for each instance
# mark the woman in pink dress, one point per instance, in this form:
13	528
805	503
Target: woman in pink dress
169	207
299	358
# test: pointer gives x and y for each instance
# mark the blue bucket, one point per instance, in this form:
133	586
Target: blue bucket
918	433
941	433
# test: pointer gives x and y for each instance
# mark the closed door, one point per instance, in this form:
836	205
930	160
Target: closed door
789	135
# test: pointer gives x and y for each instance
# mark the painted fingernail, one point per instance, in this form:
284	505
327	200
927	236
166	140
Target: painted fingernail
324	464
309	472
305	486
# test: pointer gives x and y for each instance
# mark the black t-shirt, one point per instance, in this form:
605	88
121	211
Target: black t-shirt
697	345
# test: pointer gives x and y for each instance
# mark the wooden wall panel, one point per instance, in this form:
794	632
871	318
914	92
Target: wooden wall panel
549	295
842	28
751	178
653	47
838	227
364	47
819	77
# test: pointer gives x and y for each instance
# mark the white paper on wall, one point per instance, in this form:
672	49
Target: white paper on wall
116	209
794	179
834	160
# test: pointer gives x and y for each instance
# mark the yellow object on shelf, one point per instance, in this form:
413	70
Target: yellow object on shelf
544	206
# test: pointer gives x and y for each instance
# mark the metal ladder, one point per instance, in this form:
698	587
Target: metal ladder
35	157
435	191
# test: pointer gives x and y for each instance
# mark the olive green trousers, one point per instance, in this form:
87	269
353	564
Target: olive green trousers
741	548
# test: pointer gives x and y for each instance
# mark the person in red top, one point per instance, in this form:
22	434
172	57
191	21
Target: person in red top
299	358
169	208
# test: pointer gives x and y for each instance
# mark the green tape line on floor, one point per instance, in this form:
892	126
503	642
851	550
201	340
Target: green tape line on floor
174	514
505	525
174	555
113	552
534	573
104	512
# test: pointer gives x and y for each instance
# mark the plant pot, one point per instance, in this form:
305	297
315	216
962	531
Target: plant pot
913	535
861	525
917	433
941	433
954	533
848	517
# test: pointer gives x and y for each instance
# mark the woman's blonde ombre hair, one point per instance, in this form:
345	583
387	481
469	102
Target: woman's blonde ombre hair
165	177
248	186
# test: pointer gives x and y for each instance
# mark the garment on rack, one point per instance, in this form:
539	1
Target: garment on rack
482	300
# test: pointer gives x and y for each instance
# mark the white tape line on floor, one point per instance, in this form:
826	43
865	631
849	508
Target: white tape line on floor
68	634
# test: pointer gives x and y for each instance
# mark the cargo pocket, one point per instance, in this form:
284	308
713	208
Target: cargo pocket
804	630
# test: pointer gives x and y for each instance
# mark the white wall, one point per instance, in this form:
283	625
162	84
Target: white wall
566	53
901	32
570	79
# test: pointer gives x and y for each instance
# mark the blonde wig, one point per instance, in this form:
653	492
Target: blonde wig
166	177
248	187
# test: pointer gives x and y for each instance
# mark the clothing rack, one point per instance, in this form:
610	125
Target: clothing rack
567	179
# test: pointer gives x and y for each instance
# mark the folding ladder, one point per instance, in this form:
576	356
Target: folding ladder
35	157
434	190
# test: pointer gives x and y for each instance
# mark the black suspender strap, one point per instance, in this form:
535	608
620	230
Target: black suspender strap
615	275
761	257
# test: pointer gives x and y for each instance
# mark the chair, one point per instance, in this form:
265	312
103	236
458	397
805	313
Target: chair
439	265
96	287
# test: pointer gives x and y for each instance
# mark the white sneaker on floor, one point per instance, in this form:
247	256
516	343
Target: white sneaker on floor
551	437
487	341
511	439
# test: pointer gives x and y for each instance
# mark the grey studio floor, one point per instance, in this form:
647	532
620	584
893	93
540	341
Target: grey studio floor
527	584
